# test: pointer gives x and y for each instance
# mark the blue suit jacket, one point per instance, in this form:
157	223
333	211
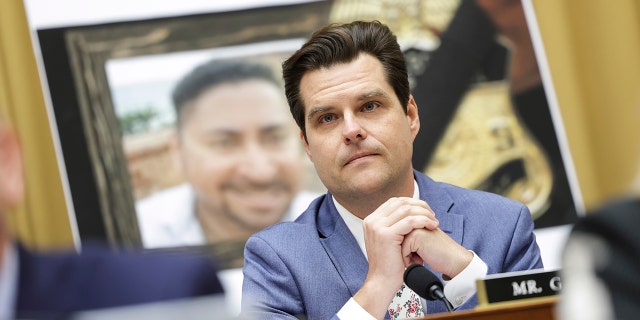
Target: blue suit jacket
55	284
312	266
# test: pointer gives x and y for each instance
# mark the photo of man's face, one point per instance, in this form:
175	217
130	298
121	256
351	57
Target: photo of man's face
239	149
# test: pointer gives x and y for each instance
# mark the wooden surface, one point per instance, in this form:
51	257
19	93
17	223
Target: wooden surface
538	309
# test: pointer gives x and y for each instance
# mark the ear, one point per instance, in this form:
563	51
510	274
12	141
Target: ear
412	116
306	145
11	171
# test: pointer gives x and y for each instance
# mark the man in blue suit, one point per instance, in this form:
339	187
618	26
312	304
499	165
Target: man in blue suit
58	284
345	256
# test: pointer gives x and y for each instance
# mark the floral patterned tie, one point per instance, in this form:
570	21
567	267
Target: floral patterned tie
406	304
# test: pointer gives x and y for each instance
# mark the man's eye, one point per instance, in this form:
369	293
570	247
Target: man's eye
327	118
276	138
225	143
369	106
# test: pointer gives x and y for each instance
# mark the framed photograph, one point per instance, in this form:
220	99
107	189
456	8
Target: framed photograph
110	86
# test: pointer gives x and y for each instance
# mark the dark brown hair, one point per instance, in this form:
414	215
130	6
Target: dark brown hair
214	73
343	43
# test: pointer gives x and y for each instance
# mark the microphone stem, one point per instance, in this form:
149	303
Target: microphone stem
447	304
436	292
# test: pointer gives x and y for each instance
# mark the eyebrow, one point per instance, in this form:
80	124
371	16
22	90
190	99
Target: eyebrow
235	131
362	97
315	111
371	94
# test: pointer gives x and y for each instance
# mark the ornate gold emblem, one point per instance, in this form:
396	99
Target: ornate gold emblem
485	147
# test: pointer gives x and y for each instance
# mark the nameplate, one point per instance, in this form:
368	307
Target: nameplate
518	285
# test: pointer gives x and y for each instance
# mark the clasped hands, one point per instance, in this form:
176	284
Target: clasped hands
400	232
403	231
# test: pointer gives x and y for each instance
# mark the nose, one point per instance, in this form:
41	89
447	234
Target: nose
257	164
352	130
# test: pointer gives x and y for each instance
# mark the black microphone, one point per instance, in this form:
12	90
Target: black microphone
425	284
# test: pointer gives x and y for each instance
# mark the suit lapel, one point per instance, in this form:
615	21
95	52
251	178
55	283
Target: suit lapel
442	204
341	247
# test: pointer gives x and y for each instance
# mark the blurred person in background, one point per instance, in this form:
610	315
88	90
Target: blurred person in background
601	261
59	283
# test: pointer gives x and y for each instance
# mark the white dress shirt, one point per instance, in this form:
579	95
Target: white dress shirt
8	281
168	219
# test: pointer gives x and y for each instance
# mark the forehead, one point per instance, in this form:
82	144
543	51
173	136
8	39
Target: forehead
350	80
239	104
